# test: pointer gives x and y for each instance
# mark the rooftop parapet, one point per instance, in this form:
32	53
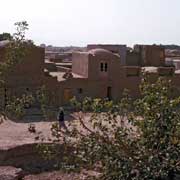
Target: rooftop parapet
166	71
132	70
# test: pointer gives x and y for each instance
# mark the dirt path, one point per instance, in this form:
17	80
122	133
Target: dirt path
13	134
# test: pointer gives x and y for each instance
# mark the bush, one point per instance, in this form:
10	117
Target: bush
135	140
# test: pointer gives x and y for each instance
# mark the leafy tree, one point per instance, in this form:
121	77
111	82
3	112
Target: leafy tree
5	36
15	51
43	97
16	106
135	140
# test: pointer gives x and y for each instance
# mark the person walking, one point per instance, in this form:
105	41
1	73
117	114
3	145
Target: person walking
60	118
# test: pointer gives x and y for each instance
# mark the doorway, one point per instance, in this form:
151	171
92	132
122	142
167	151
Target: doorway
109	93
67	95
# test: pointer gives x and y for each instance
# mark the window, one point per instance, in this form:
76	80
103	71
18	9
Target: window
103	67
109	93
80	90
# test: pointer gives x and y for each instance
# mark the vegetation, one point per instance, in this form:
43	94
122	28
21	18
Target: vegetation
16	106
16	50
5	36
135	140
43	97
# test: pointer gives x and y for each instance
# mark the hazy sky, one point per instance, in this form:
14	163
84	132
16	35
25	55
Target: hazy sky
79	22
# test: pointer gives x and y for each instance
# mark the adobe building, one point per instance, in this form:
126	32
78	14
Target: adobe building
26	76
133	58
103	71
92	74
150	55
100	72
116	49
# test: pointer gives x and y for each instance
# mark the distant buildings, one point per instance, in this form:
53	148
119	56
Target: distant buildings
102	71
173	58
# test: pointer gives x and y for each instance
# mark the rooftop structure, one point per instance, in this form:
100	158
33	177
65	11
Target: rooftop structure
116	49
103	71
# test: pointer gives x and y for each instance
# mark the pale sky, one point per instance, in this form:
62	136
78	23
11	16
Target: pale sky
80	22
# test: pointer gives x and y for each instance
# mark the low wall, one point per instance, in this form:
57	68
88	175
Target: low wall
25	157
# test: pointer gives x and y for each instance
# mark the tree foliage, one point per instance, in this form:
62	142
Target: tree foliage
15	51
5	36
135	140
16	106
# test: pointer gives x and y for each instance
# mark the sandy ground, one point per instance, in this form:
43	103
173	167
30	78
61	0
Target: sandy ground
12	133
58	175
16	133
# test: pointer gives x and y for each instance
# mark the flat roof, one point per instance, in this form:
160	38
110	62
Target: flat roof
150	69
177	72
59	76
63	63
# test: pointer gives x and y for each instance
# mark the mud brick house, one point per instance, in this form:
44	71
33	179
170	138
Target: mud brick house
116	49
92	74
26	76
103	71
150	55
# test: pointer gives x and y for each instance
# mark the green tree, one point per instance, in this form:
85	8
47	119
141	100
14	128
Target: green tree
15	51
5	36
138	140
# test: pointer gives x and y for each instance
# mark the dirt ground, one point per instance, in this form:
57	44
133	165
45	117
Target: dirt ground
16	133
58	175
13	134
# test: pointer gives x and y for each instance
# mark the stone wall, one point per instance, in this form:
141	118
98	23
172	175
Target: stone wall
80	63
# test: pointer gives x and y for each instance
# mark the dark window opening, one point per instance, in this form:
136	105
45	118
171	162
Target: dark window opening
109	93
102	67
105	68
80	90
